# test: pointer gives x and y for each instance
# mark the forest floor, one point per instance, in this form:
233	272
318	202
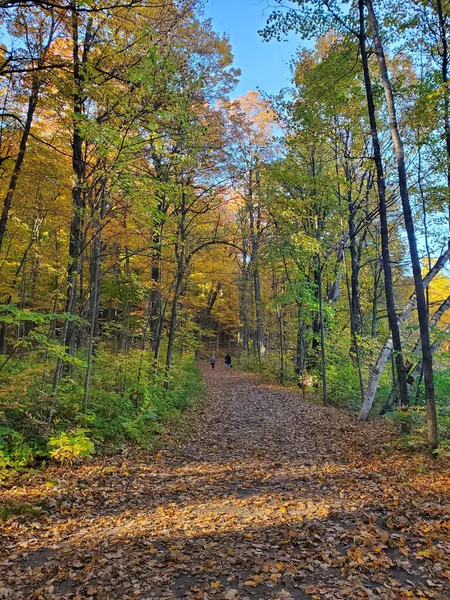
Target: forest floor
268	496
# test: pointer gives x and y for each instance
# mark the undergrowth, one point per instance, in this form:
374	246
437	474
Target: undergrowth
127	403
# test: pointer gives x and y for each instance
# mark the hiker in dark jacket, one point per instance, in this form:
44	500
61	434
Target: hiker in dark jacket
227	361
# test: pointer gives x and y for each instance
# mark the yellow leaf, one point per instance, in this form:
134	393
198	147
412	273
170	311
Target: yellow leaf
215	585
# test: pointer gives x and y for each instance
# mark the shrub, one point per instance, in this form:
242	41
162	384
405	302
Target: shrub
14	451
118	410
343	385
70	446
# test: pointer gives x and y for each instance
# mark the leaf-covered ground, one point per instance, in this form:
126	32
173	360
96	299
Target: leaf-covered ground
270	497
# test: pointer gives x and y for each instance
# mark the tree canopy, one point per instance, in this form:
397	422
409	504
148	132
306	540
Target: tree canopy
147	216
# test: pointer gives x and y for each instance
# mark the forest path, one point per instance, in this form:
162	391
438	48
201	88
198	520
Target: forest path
270	497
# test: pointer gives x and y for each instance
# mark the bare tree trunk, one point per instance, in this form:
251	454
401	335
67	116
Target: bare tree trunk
260	337
95	287
322	335
279	315
300	355
173	318
205	313
376	278
353	332
156	304
281	338
254	213
93	311
182	263
312	360
381	185
445	80
78	196
145	326
355	309
354	274
244	332
78	164
353	295
335	288
422	312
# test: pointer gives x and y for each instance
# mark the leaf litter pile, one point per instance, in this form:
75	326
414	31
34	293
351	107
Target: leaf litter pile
268	497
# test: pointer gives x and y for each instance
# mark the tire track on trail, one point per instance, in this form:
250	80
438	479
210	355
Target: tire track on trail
270	497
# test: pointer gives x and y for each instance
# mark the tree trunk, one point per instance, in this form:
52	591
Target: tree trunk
300	348
385	351
355	313
376	278
322	335
312	360
254	213
205	313
32	103
335	288
173	318
259	333
78	167
381	185
244	332
280	326
218	337
418	369
95	289
281	341
392	400
78	196
93	318
156	305
444	71
422	312
353	332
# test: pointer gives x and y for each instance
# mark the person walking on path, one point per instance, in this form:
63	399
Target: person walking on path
227	361
212	360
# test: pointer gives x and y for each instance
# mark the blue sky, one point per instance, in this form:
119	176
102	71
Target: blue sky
264	65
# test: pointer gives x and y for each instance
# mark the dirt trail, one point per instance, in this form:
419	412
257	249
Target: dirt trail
271	497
